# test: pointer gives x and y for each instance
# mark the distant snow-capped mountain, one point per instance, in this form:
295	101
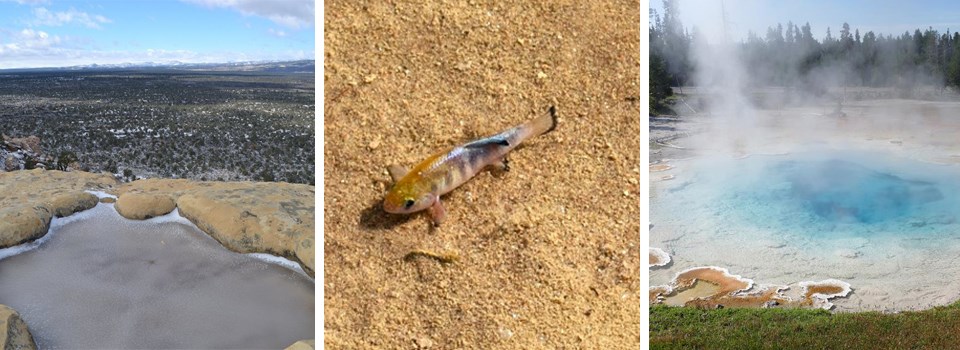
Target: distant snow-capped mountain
301	66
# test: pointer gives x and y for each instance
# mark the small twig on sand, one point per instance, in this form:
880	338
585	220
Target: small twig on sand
445	258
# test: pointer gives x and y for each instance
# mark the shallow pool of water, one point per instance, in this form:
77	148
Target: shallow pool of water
887	225
101	281
825	193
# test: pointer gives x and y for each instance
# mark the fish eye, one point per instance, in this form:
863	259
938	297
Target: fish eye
408	203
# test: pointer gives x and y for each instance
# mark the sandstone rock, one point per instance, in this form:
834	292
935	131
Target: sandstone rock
31	198
13	331
309	344
67	204
305	254
21	224
171	187
246	217
141	206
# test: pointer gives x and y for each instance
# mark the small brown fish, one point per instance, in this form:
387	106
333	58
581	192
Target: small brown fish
421	187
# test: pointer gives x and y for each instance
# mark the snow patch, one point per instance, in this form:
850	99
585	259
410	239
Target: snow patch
100	194
277	260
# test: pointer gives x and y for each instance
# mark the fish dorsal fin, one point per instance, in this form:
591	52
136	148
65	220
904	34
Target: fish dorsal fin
397	171
490	141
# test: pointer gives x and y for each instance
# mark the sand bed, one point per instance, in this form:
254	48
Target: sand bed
547	254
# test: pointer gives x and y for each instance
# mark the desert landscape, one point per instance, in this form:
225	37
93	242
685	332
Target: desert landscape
157	170
109	162
226	122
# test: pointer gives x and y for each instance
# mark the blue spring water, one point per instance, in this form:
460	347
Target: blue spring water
818	193
844	191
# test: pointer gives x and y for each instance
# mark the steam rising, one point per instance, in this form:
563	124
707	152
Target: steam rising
868	105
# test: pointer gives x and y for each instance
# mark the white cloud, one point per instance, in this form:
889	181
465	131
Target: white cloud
42	16
289	13
29	39
27	42
31	48
29	2
277	33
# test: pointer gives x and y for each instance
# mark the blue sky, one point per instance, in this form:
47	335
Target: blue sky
57	33
880	16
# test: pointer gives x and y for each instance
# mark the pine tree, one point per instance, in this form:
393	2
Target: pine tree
659	83
953	67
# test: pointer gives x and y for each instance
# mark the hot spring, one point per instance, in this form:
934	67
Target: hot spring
98	280
885	224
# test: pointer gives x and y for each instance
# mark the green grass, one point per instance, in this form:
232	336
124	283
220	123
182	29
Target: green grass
691	328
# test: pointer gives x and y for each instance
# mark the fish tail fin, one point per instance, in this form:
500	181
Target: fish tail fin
545	123
536	127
